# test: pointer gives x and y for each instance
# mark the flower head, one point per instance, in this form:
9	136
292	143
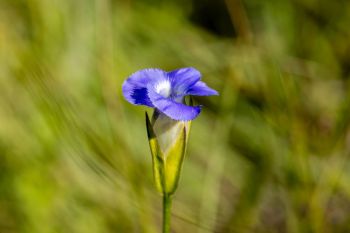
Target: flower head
165	91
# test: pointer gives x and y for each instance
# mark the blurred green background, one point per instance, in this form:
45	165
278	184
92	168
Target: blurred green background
270	154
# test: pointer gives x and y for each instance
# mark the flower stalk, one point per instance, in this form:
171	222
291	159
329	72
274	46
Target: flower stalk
167	200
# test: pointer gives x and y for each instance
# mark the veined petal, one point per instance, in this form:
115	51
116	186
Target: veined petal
182	79
172	109
135	87
201	89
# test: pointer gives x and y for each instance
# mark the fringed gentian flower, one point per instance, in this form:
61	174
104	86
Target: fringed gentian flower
169	129
165	91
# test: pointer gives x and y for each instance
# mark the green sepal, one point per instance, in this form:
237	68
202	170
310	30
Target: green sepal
173	162
157	157
167	167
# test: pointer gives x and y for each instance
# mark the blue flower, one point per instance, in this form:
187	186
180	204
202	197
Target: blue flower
165	91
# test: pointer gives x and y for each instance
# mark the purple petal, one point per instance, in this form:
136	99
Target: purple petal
172	109
182	79
135	87
201	89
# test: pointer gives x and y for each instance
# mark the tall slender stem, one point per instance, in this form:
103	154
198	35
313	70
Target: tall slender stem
166	212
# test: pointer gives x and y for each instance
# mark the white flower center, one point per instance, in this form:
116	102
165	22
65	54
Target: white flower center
163	88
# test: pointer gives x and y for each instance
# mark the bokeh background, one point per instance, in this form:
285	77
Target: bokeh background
270	154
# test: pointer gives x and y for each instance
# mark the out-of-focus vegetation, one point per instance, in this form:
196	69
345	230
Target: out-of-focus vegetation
270	154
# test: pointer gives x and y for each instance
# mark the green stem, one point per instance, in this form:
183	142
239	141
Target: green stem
166	212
